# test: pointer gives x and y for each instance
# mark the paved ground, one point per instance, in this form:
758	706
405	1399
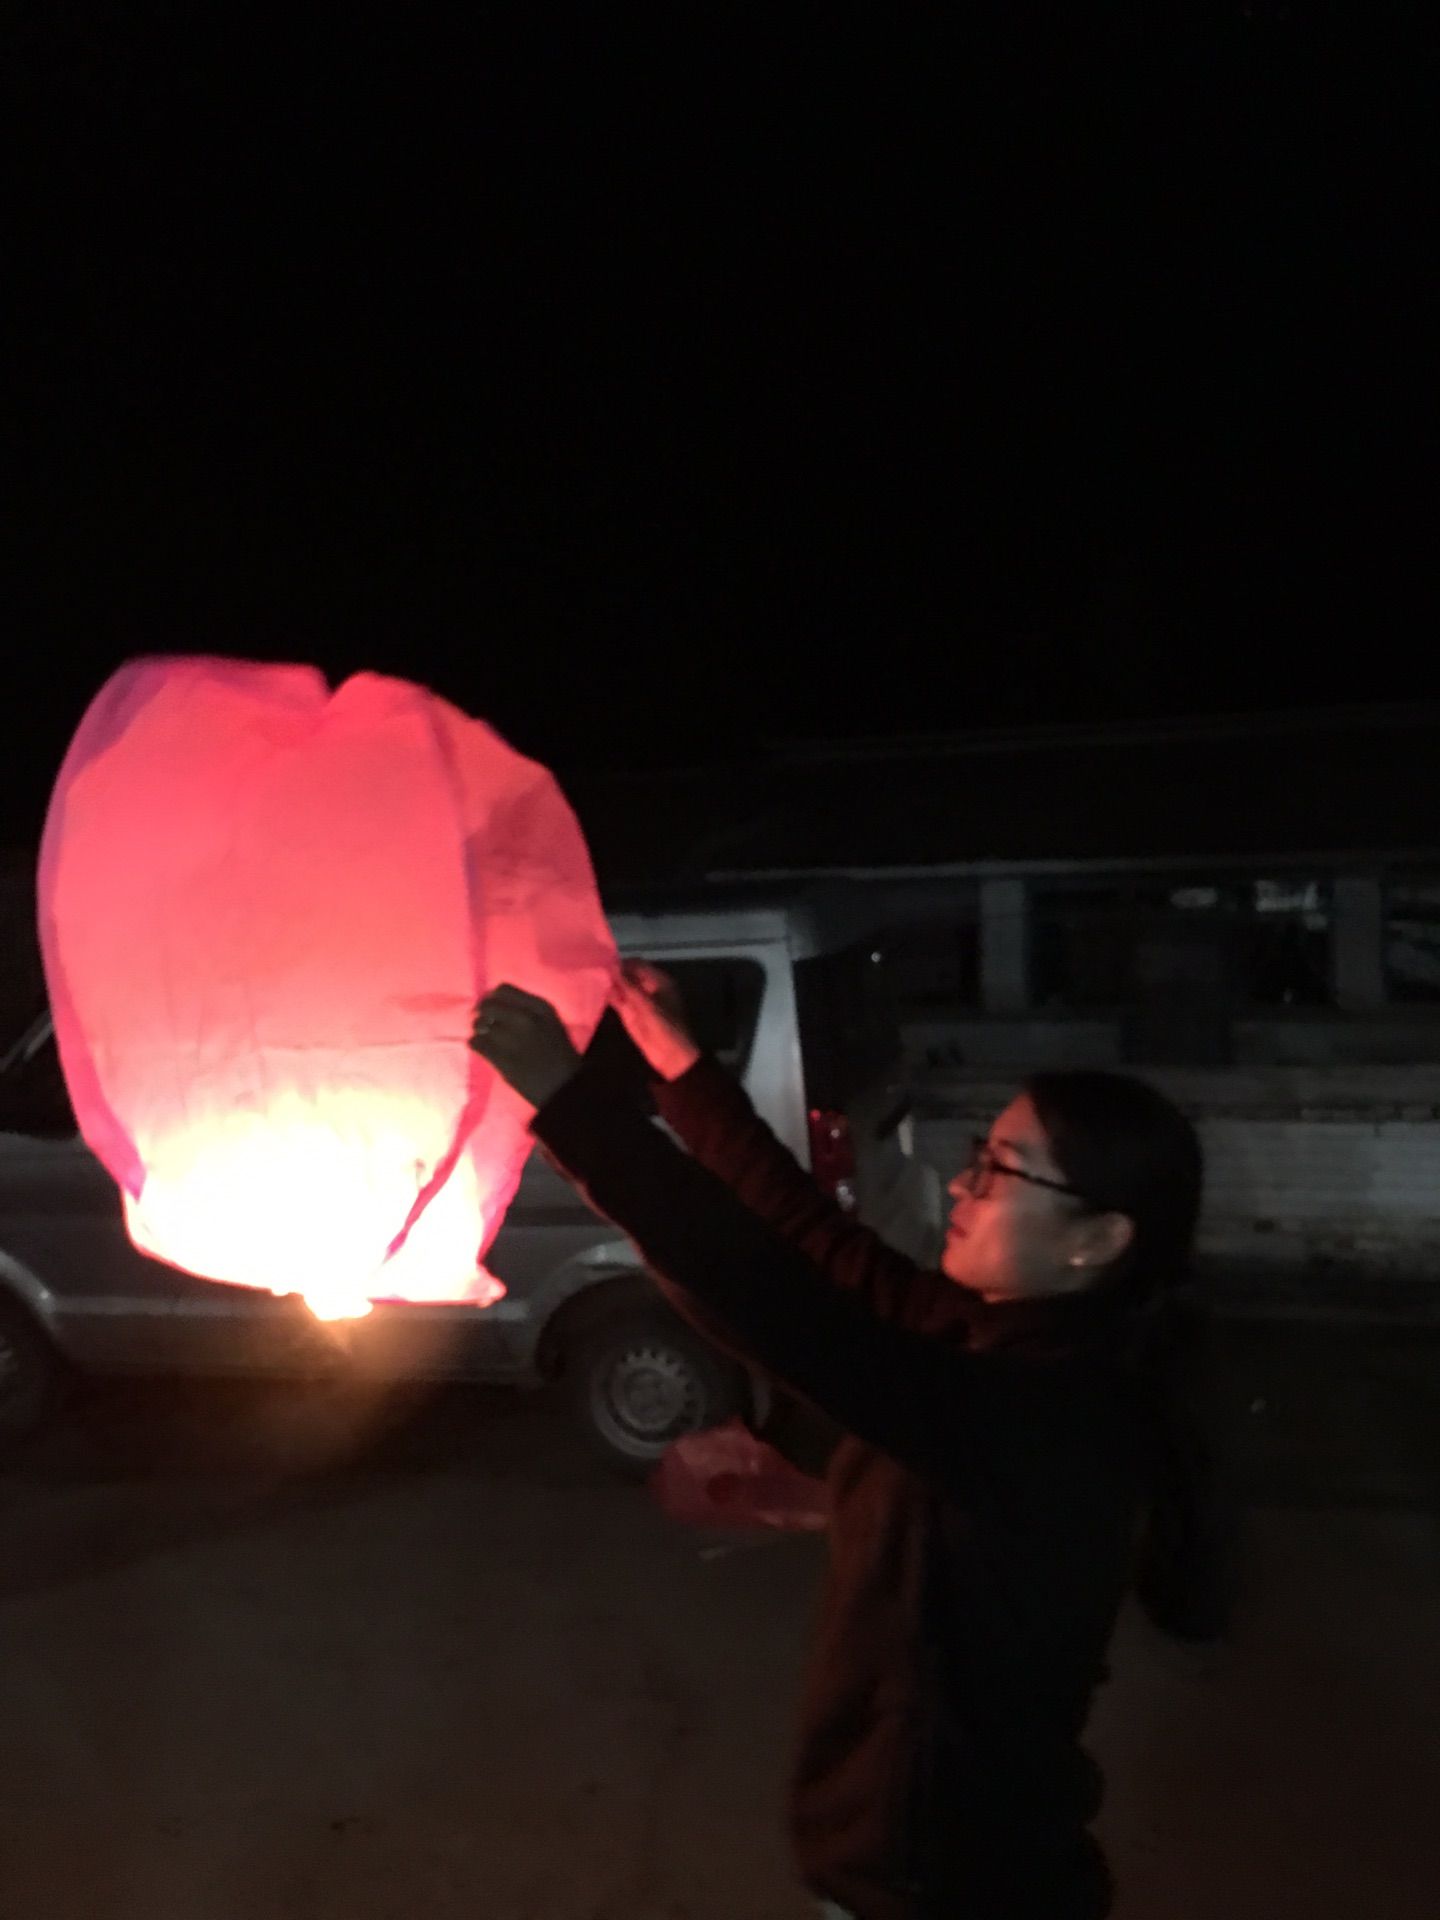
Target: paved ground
272	1656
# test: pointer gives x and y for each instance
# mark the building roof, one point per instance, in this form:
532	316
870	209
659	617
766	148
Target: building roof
1364	782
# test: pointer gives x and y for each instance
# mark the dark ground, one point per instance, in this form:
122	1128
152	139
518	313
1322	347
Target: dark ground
321	1656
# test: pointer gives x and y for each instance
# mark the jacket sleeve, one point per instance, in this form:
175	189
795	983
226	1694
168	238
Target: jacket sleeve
710	1112
918	1397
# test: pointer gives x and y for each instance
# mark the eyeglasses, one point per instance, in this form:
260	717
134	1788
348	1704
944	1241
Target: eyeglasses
980	1170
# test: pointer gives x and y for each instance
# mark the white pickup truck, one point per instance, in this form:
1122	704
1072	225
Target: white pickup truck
789	993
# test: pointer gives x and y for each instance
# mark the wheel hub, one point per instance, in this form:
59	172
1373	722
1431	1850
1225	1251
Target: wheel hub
652	1393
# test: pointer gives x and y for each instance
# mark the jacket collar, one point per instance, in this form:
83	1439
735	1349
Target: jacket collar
1056	1320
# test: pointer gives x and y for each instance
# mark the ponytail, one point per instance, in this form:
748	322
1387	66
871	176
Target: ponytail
1186	1564
1128	1149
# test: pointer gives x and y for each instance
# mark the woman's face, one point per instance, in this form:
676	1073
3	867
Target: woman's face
1012	1239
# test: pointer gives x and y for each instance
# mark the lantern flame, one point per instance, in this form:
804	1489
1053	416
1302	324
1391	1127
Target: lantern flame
338	1302
312	1226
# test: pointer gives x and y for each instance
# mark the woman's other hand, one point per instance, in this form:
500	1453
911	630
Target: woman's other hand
524	1039
648	1002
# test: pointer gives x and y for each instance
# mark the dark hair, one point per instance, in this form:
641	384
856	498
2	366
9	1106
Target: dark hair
1128	1149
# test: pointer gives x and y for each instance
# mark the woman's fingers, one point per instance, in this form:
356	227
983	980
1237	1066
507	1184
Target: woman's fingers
630	995
506	995
524	1039
646	979
512	1004
508	1014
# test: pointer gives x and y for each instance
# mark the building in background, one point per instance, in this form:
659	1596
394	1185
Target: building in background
1245	911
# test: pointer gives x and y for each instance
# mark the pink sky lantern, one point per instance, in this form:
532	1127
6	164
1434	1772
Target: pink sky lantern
266	911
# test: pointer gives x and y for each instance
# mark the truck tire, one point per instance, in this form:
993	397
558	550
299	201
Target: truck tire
641	1378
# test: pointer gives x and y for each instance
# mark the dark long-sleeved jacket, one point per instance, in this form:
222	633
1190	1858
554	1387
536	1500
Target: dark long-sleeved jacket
984	1504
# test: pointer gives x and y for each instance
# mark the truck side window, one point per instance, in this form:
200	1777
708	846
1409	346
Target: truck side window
722	1003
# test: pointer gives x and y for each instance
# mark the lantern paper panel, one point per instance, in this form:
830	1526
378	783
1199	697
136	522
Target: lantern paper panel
266	911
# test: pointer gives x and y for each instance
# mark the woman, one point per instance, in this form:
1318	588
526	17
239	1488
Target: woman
1012	1459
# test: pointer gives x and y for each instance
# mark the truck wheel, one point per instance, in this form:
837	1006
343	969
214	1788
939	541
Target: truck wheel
27	1376
642	1379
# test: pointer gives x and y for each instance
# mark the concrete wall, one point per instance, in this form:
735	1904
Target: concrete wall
1320	1182
1399	1036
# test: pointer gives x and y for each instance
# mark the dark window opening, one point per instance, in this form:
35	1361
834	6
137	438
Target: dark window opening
1412	941
849	1028
1235	945
935	966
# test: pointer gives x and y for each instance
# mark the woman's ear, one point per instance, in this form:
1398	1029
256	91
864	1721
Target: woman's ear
1100	1239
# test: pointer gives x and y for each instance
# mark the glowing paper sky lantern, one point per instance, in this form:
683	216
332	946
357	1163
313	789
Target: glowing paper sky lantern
266	912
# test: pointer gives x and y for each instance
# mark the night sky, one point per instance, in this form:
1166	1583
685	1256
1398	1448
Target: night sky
657	394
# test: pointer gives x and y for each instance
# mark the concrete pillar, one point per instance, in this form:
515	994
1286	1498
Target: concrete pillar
1004	946
1357	941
